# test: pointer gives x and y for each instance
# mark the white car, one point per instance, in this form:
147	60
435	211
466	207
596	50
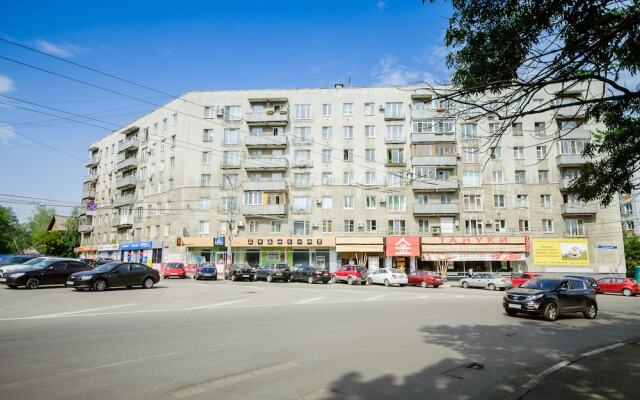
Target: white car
6	269
388	277
486	281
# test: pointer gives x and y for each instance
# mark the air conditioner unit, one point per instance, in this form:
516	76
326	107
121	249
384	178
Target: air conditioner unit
360	224
381	107
220	112
488	222
435	230
318	201
457	223
383	200
315	225
240	224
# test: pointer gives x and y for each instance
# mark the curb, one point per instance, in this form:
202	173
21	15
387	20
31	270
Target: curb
537	379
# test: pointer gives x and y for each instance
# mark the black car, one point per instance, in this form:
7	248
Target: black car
17	259
551	297
273	272
241	272
310	275
115	274
48	271
590	281
96	262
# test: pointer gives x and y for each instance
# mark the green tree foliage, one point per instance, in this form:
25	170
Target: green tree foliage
39	220
59	243
514	49
631	253
13	237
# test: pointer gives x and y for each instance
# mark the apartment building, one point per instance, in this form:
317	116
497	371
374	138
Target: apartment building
378	176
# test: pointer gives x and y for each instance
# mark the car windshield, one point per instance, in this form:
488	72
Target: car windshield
540	284
174	265
34	261
106	267
395	271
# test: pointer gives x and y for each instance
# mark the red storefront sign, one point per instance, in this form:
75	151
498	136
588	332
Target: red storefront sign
403	246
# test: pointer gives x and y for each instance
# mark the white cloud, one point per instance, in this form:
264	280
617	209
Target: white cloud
389	72
6	84
380	5
64	50
7	133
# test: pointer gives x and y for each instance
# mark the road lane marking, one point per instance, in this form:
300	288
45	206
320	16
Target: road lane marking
86	310
224	303
307	301
602	350
375	297
200	388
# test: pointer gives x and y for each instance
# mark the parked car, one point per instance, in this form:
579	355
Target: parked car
205	271
115	274
273	272
425	279
174	270
387	277
590	281
310	275
48	271
240	272
350	274
486	281
12	267
96	262
551	297
626	286
519	279
18	259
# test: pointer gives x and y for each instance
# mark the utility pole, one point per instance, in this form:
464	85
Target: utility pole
231	226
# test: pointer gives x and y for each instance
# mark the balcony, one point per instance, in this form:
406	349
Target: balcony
396	163
85	228
127	163
565	183
92	161
435	209
302	164
393	116
123	201
266	141
128	144
278	209
265	186
126	182
272	118
578	209
265	164
570	160
90	178
230	164
567	134
575	111
88	194
392	140
433	137
426	113
435	185
122	221
434	160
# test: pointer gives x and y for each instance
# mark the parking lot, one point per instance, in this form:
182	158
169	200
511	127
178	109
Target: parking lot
228	340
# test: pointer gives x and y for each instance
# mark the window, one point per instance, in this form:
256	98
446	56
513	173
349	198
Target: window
428	172
371	225
395	156
303	111
347	132
232	113
164	124
437	126
167	228
369	108
516	128
347	178
500	225
468	131
210	111
327	110
520	176
496	153
522	200
229	203
252	198
349	225
203	227
205	203
422	199
539	128
174	119
395	133
327	226
369	131
327	132
518	152
396	203
301	204
394	179
472	202
497	177
207	156
347	109
629	225
498	201
574	227
547	226
627	210
302	181
536	103
397	227
473	227
347	155
301	228
445	199
471	179
230	181
348	202
302	135
370	202
523	225
254	226
370	178
393	110
470	154
145	138
572	146
231	136
326	155
205	180
276	227
545	200
327	179
370	155
302	157
541	152
207	135
327	202
423	225
543	176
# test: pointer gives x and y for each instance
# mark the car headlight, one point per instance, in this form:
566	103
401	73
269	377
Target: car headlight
17	275
86	277
535	297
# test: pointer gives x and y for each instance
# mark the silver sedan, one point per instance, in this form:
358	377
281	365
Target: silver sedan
486	281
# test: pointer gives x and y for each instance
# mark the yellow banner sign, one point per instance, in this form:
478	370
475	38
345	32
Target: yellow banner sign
567	252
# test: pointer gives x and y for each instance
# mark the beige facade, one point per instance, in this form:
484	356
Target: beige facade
341	162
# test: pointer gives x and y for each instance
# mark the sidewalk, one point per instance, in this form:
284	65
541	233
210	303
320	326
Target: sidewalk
613	374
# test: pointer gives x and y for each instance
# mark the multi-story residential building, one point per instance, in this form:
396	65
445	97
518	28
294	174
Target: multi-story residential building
630	211
378	176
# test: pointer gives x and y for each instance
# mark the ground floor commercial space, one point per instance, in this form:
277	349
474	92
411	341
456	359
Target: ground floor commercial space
367	251
199	250
316	251
148	252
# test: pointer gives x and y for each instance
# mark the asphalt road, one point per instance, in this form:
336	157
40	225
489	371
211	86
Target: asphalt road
232	340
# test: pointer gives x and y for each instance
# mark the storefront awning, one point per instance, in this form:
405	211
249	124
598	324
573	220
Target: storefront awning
473	257
195	241
360	248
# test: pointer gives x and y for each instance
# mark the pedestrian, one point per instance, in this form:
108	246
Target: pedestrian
470	272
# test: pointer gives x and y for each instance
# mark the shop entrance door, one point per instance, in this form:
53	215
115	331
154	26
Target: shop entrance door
401	263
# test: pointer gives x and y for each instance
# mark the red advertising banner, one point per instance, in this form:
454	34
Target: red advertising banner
403	246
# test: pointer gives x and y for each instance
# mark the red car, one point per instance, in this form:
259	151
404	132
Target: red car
174	270
626	286
519	279
350	274
424	279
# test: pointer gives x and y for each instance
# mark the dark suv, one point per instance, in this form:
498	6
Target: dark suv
551	297
273	272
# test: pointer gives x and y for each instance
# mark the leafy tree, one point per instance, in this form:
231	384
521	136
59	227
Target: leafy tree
39	220
631	253
505	53
59	243
12	234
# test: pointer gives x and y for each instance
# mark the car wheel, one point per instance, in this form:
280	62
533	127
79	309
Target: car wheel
386	282
550	312
369	281
165	277
363	282
350	280
465	285
129	287
32	283
492	287
310	280
436	286
334	279
147	283
325	282
269	278
423	284
626	292
100	285
510	312
215	278
233	277
590	311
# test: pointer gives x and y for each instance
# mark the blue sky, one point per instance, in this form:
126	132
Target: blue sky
180	46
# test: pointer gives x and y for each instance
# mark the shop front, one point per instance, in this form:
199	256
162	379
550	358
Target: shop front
110	251
199	250
367	251
86	252
316	251
148	252
477	253
401	252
